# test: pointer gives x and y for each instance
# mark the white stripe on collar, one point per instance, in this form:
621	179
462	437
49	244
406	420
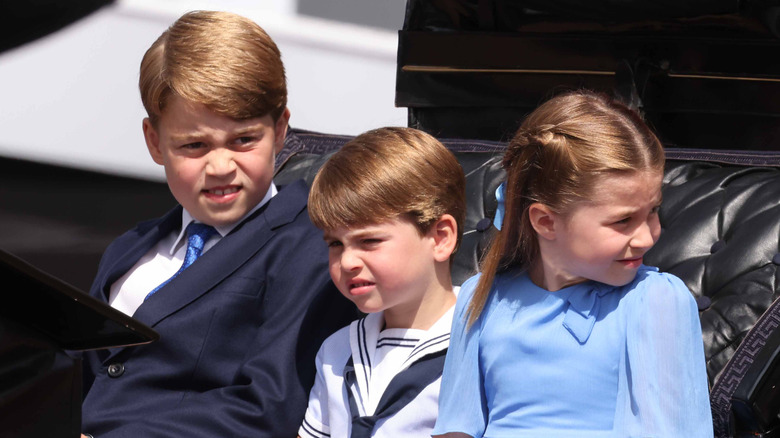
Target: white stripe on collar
436	338
363	336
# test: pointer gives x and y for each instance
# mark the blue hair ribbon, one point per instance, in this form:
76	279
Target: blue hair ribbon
498	220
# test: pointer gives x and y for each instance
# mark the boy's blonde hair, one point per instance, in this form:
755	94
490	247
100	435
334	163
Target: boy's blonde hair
556	156
219	59
385	174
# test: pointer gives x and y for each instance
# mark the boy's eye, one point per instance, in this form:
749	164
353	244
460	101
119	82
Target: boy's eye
655	209
371	241
195	145
333	244
625	220
244	140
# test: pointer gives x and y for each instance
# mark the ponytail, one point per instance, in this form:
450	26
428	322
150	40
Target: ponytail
513	245
558	152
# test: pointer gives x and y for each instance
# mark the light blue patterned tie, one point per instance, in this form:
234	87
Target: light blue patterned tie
197	236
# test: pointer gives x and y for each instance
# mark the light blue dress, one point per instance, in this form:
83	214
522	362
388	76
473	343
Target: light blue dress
590	360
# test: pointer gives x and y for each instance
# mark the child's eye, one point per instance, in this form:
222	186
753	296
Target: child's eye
371	241
333	244
244	140
655	209
193	146
625	220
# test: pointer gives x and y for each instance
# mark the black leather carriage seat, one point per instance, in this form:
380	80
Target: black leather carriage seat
720	218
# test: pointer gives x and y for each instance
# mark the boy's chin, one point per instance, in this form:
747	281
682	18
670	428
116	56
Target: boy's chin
219	219
364	307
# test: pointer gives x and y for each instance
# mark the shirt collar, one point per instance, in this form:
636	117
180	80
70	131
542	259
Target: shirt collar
223	230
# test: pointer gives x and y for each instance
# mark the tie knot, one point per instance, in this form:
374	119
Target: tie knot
198	234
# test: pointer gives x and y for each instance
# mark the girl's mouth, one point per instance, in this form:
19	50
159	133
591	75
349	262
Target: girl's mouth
631	263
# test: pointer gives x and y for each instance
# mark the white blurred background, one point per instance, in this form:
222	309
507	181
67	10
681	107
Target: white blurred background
71	98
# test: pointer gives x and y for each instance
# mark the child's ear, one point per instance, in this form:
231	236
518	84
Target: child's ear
543	220
152	141
445	237
280	130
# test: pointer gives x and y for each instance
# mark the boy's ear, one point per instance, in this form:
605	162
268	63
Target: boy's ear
445	237
280	130
152	141
543	220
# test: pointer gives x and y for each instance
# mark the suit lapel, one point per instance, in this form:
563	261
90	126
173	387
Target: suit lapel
225	257
220	261
210	269
146	240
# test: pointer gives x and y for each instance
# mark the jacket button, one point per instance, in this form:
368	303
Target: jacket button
116	370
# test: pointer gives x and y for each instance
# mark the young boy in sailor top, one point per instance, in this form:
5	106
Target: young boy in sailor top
390	203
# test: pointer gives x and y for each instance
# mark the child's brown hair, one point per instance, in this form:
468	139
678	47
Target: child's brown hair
554	159
389	173
219	59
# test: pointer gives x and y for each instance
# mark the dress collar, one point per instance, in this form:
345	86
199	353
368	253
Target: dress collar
583	309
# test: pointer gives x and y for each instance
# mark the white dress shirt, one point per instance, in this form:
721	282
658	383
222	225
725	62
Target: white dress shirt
163	260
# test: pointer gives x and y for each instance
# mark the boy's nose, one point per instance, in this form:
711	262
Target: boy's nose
220	162
350	261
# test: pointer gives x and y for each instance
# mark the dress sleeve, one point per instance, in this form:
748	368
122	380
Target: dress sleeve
315	422
462	405
668	393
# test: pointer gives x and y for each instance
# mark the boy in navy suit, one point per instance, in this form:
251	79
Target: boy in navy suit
240	327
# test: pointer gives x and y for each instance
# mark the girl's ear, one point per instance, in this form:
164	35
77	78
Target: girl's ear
543	220
445	236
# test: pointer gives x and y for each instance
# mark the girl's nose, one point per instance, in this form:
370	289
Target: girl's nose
647	233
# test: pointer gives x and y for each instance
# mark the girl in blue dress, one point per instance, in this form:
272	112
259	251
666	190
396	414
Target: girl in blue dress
565	333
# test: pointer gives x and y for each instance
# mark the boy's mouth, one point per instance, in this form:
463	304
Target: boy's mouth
222	194
359	287
363	284
222	191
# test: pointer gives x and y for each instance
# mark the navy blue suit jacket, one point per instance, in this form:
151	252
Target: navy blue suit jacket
239	330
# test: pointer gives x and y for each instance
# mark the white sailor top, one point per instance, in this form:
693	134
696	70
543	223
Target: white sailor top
376	357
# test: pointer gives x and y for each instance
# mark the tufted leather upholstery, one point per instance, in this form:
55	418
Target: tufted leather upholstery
720	218
721	227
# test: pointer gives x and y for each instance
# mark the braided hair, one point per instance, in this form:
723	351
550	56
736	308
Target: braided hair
558	152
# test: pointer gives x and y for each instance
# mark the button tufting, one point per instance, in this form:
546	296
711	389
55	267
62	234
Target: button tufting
703	303
484	224
717	246
776	259
116	370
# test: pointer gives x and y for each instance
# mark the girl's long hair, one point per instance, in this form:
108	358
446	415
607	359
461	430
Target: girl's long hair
554	159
